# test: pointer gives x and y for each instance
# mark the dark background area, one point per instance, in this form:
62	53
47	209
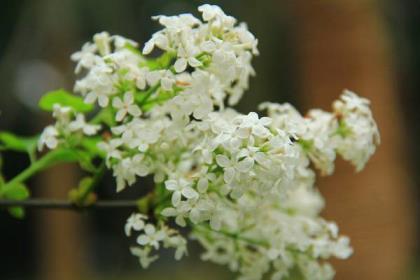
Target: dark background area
36	41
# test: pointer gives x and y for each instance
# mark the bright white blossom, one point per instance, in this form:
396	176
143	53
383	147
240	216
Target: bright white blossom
151	237
48	138
68	124
79	124
244	183
134	222
125	106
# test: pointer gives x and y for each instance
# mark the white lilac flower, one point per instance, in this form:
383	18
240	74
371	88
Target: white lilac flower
180	188
230	167
252	125
317	140
103	42
62	114
144	255
97	85
79	124
151	236
111	149
86	57
134	222
125	106
358	134
48	138
180	213
179	243
121	42
204	178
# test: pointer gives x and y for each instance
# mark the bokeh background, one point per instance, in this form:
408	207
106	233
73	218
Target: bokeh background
310	51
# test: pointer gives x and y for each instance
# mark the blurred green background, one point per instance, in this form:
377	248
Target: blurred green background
310	50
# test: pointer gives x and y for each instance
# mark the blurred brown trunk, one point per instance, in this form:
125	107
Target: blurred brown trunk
345	44
60	244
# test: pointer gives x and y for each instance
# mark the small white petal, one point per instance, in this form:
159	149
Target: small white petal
202	185
153	77
179	220
195	216
148	47
245	165
128	98
134	110
90	97
189	192
208	46
194	62
117	103
180	65
120	115
171	185
103	101
149	229
176	198
143	239
169	212
229	175
166	83
223	161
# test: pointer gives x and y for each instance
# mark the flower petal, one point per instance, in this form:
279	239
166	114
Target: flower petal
180	65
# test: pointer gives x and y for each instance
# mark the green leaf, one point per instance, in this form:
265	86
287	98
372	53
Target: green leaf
106	116
16	143
63	98
68	155
63	155
17	192
91	145
17	212
162	62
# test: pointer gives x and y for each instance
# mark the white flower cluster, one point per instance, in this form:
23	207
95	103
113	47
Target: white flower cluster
349	131
68	122
152	238
242	183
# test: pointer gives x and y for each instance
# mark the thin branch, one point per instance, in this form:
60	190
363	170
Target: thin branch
67	205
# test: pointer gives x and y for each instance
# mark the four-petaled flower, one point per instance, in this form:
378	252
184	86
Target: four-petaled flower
180	188
134	222
125	106
151	236
48	138
232	165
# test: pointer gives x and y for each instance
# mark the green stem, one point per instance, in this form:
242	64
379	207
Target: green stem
49	159
95	181
34	168
148	94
